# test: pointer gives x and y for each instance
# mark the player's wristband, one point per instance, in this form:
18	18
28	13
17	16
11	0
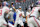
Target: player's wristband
13	7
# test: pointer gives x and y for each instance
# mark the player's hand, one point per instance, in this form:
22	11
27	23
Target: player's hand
13	8
26	21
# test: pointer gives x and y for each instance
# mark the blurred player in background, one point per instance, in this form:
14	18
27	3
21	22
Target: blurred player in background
28	13
2	11
7	10
10	17
19	15
34	21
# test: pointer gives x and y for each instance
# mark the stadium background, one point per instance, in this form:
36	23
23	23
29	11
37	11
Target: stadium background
23	3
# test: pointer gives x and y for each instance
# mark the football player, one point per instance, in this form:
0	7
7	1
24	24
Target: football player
2	11
28	14
19	15
10	17
33	20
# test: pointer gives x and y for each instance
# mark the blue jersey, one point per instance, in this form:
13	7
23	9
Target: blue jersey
14	17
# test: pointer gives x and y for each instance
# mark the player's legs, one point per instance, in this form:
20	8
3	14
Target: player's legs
10	25
1	22
21	23
31	22
31	25
4	23
16	22
38	21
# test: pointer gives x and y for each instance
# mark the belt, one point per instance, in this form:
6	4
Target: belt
31	16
